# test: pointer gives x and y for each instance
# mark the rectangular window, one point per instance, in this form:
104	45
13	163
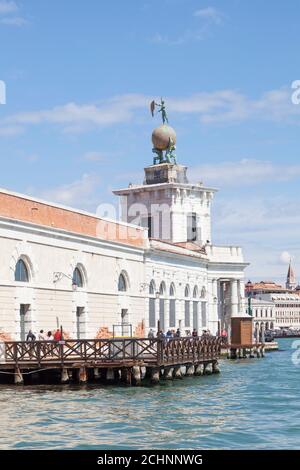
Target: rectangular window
172	313
187	316
152	321
192	227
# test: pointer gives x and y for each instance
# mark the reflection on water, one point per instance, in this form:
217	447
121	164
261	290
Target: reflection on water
252	404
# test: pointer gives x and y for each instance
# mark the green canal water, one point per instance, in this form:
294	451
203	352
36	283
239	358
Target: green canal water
252	404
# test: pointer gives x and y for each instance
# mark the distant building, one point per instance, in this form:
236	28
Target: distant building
291	283
275	306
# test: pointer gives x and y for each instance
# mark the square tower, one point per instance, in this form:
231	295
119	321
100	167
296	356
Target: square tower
168	205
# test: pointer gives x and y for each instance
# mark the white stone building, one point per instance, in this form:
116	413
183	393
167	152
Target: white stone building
99	278
264	315
282	303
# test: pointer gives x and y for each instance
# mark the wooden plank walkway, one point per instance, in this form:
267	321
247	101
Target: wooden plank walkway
109	352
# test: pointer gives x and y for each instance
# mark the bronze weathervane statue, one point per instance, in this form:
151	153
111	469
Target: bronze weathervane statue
163	137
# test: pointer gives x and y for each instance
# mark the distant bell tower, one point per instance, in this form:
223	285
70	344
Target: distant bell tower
291	278
166	203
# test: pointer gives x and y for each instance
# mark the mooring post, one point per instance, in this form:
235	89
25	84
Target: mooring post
110	375
199	369
155	373
206	369
126	375
190	370
215	368
233	354
83	375
257	352
263	351
64	376
168	373
136	375
18	377
177	372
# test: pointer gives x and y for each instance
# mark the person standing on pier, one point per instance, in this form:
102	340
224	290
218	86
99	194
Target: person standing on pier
30	336
57	335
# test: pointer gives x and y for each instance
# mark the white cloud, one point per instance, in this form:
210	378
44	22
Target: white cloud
77	117
245	172
11	131
77	193
211	14
14	21
221	106
7	7
285	257
10	8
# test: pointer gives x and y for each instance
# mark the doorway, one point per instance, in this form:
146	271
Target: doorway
25	321
80	322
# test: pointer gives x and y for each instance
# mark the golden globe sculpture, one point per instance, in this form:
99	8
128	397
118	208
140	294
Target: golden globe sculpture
162	136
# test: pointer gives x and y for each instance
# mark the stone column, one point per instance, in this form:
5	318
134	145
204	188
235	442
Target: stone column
234	298
212	320
241	290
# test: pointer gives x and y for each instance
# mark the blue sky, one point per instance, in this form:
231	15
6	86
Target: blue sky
76	123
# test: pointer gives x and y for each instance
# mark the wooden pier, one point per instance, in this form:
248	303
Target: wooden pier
128	361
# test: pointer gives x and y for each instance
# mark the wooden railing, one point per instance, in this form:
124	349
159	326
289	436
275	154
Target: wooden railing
110	351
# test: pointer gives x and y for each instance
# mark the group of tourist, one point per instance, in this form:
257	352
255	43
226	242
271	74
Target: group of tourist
42	336
177	334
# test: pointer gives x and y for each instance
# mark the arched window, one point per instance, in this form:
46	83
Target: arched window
172	290
152	288
77	278
187	291
162	288
21	272
122	284
195	292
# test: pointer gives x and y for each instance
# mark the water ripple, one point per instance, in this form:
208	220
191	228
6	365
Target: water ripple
253	404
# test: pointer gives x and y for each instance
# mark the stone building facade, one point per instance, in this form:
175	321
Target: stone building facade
99	278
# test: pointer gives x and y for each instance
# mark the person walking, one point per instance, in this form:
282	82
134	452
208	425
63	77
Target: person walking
194	333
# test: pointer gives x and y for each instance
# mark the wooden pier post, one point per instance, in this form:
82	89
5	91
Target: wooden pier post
97	374
199	369
177	372
110	375
206	369
64	376
126	375
155	375
136	375
168	373
83	375
18	377
190	370
215	368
